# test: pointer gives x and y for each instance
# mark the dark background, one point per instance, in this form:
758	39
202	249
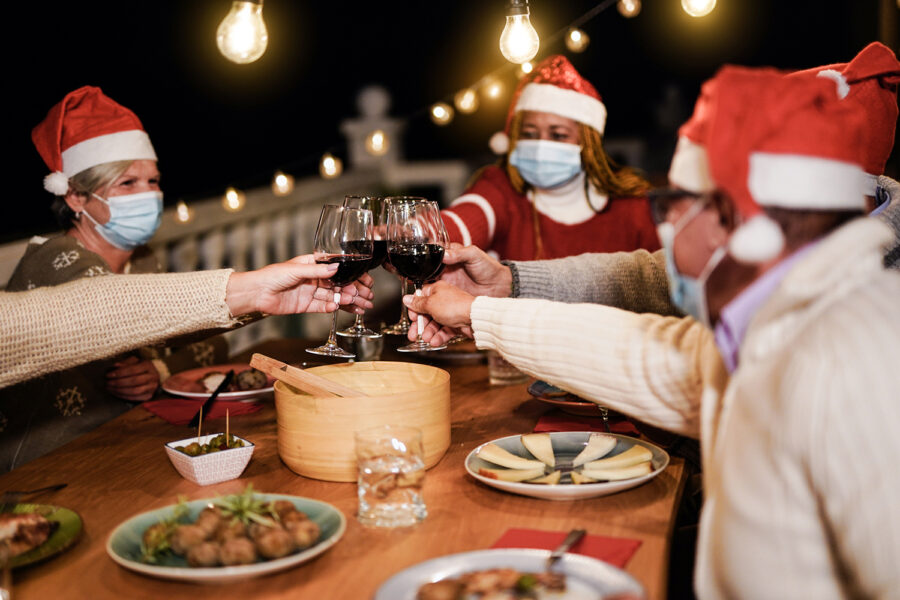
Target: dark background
214	123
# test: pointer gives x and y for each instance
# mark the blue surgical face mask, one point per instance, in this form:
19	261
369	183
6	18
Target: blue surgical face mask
133	219
546	164
687	293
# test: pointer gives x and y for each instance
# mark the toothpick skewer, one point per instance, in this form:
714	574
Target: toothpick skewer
227	437
200	424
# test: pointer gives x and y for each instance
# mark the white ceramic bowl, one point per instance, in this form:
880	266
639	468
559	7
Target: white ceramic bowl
207	469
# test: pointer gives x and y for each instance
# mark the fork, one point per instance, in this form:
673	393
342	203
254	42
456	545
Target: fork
9	499
573	538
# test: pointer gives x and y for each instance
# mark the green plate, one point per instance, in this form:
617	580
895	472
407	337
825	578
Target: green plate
124	544
66	534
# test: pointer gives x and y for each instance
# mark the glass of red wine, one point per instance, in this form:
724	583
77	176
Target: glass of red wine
343	236
416	243
401	327
379	253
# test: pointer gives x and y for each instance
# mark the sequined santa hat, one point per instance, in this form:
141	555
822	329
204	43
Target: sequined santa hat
87	128
555	87
869	80
787	142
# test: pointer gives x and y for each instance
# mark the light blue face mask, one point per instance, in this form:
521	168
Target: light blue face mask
546	164
687	293
133	219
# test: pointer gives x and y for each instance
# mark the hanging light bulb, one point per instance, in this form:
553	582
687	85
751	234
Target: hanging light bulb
629	8
282	184
377	143
493	88
330	167
233	200
441	113
466	101
183	213
524	69
519	41
242	36
698	8
577	40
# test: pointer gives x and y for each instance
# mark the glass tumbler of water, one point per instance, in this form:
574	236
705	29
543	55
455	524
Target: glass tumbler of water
391	464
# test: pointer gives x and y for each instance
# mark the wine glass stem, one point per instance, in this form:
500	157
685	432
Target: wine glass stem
420	319
332	337
404	313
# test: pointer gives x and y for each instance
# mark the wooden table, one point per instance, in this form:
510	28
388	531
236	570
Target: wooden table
120	470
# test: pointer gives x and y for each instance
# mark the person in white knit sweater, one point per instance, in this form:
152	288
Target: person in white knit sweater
792	396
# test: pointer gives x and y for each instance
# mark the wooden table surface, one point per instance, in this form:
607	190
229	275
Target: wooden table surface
120	470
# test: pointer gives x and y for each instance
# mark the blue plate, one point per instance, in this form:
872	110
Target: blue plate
124	544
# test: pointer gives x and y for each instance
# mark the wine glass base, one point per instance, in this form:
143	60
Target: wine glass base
401	328
420	347
331	350
358	332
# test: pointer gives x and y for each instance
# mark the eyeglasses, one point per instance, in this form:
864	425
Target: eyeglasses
662	200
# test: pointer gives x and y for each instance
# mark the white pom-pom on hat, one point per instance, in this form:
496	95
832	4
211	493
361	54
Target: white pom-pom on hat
758	240
499	143
56	183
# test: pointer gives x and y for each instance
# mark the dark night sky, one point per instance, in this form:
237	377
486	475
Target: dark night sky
214	123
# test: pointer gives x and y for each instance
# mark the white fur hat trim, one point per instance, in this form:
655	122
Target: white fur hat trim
56	183
499	143
548	98
758	240
122	145
690	167
802	181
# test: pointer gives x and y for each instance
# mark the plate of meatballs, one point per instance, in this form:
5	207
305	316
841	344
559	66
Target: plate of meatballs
229	538
248	383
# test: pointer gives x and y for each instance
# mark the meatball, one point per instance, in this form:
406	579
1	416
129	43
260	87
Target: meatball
448	589
251	379
205	554
275	542
209	520
230	529
186	537
237	551
283	508
305	533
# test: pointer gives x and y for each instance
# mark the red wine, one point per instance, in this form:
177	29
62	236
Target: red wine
437	273
350	267
379	253
416	262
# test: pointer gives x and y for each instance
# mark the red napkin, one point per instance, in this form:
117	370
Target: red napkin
180	411
615	551
560	421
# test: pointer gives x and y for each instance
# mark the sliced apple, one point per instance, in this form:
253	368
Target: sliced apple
551	479
540	446
634	455
511	474
578	478
598	445
495	454
619	473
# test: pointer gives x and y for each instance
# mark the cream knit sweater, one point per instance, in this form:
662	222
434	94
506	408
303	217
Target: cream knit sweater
53	328
800	447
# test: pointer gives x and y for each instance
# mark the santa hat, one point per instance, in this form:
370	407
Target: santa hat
87	128
788	142
689	169
870	80
554	86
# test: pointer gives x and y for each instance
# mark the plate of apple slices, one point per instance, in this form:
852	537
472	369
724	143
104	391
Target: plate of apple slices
569	465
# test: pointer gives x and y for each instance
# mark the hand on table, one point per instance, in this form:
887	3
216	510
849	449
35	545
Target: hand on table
132	379
470	269
446	309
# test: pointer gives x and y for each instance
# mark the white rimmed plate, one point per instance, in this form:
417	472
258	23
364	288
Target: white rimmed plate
586	578
189	384
124	543
566	446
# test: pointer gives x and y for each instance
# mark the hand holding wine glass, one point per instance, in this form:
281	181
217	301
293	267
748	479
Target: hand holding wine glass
343	237
416	242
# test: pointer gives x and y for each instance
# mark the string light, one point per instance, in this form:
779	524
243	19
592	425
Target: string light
234	200
519	41
242	37
441	113
183	213
493	88
282	184
466	101
577	40
524	69
698	8
330	166
377	143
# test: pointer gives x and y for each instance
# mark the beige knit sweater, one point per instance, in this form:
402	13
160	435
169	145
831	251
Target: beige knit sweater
54	328
800	447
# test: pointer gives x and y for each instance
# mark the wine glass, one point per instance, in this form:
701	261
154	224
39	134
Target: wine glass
379	254
401	327
416	243
343	236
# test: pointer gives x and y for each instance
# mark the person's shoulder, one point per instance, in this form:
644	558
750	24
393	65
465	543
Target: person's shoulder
491	175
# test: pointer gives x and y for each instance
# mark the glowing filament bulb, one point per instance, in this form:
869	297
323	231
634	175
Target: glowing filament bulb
577	40
698	8
183	213
377	143
493	88
519	42
629	8
524	69
242	36
234	200
330	167
466	101
282	184
441	113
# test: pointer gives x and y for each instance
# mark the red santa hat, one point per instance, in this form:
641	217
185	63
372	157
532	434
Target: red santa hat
87	128
869	80
788	142
689	169
554	86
